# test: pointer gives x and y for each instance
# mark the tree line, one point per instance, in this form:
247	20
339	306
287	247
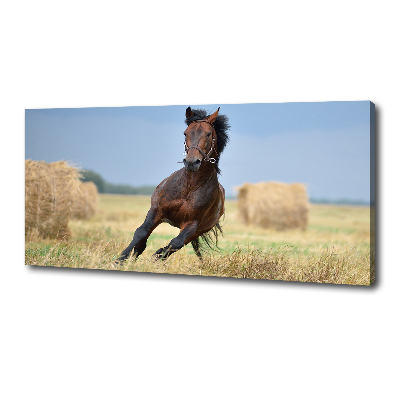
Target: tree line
106	187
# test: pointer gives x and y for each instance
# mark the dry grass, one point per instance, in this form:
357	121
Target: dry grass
273	205
50	190
328	267
335	248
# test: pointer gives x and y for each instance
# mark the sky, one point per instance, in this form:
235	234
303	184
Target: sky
325	145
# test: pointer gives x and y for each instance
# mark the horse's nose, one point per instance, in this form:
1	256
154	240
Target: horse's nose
196	163
192	166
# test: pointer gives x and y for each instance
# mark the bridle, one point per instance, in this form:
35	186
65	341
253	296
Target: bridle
206	156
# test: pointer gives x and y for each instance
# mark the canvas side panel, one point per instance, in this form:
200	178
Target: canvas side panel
373	153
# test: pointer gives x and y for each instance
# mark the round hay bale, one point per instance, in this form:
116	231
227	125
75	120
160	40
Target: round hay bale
50	190
274	205
85	203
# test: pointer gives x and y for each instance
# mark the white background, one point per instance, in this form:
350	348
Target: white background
76	334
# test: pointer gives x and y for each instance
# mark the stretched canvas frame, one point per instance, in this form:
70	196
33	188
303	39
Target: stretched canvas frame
330	243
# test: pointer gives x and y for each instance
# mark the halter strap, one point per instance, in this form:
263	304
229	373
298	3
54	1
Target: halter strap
206	156
202	120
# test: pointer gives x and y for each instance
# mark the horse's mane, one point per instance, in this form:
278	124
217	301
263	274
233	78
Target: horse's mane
221	127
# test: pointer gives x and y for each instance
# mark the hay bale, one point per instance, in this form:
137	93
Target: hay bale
274	205
85	204
50	190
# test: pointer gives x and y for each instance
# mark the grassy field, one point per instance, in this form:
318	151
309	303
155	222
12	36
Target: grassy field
334	249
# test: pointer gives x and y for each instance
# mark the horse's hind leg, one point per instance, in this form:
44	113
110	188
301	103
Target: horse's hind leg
186	235
138	243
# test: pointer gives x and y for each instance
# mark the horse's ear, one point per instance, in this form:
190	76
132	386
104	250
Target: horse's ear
189	112
211	118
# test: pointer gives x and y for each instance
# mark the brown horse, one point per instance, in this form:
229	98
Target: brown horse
191	199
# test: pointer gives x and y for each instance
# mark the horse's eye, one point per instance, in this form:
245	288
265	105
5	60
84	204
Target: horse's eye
209	134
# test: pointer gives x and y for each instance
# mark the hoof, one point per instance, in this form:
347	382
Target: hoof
115	265
162	254
119	262
157	257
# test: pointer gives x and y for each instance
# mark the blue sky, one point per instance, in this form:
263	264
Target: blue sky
325	145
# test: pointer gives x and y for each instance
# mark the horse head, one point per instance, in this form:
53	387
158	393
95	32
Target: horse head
200	141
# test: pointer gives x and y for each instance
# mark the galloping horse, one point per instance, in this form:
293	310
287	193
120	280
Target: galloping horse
191	199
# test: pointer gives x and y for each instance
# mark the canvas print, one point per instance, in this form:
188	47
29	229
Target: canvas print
280	191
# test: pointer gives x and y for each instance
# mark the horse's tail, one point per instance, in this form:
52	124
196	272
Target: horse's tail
208	240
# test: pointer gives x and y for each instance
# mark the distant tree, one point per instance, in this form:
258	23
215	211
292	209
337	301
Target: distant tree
91	176
127	189
105	187
343	201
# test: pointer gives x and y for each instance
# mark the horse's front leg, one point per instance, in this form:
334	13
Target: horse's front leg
186	235
139	241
